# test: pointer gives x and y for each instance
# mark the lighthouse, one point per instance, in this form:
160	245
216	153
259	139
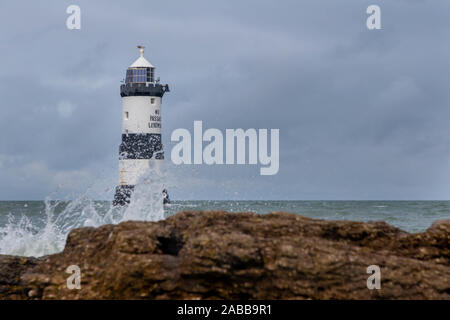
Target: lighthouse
141	126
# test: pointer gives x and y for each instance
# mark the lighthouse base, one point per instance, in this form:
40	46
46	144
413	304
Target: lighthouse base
123	194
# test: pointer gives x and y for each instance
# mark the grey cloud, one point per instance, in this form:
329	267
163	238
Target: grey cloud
362	114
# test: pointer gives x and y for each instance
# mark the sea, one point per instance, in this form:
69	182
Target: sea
38	228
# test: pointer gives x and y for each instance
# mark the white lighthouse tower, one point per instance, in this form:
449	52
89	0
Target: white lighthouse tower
141	126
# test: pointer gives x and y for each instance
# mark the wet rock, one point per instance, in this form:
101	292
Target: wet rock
220	255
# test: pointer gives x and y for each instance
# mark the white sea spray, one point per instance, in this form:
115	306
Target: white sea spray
47	235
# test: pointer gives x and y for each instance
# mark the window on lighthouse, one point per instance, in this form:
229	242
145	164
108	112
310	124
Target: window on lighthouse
150	74
126	115
139	75
128	77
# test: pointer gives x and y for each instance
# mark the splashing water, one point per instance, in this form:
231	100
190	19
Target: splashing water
47	235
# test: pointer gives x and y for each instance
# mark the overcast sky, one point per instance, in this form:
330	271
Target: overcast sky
362	114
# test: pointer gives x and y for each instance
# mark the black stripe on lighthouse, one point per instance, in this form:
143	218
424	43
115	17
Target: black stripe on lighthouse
140	89
122	195
141	146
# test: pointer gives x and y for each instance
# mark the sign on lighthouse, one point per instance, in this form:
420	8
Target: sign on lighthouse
141	126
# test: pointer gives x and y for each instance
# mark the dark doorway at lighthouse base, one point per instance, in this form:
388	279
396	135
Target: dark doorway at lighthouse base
123	194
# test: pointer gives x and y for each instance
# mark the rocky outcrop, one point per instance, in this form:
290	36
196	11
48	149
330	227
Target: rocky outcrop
220	255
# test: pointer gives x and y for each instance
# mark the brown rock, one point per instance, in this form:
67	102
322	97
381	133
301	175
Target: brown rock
206	255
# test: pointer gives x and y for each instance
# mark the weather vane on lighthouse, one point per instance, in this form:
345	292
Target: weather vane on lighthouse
141	126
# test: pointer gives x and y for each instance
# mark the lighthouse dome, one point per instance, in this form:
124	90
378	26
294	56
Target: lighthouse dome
141	62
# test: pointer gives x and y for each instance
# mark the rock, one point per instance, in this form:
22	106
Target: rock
220	255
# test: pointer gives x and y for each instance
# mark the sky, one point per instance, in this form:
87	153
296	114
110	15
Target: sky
363	114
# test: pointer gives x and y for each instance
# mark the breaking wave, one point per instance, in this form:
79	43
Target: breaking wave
46	235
